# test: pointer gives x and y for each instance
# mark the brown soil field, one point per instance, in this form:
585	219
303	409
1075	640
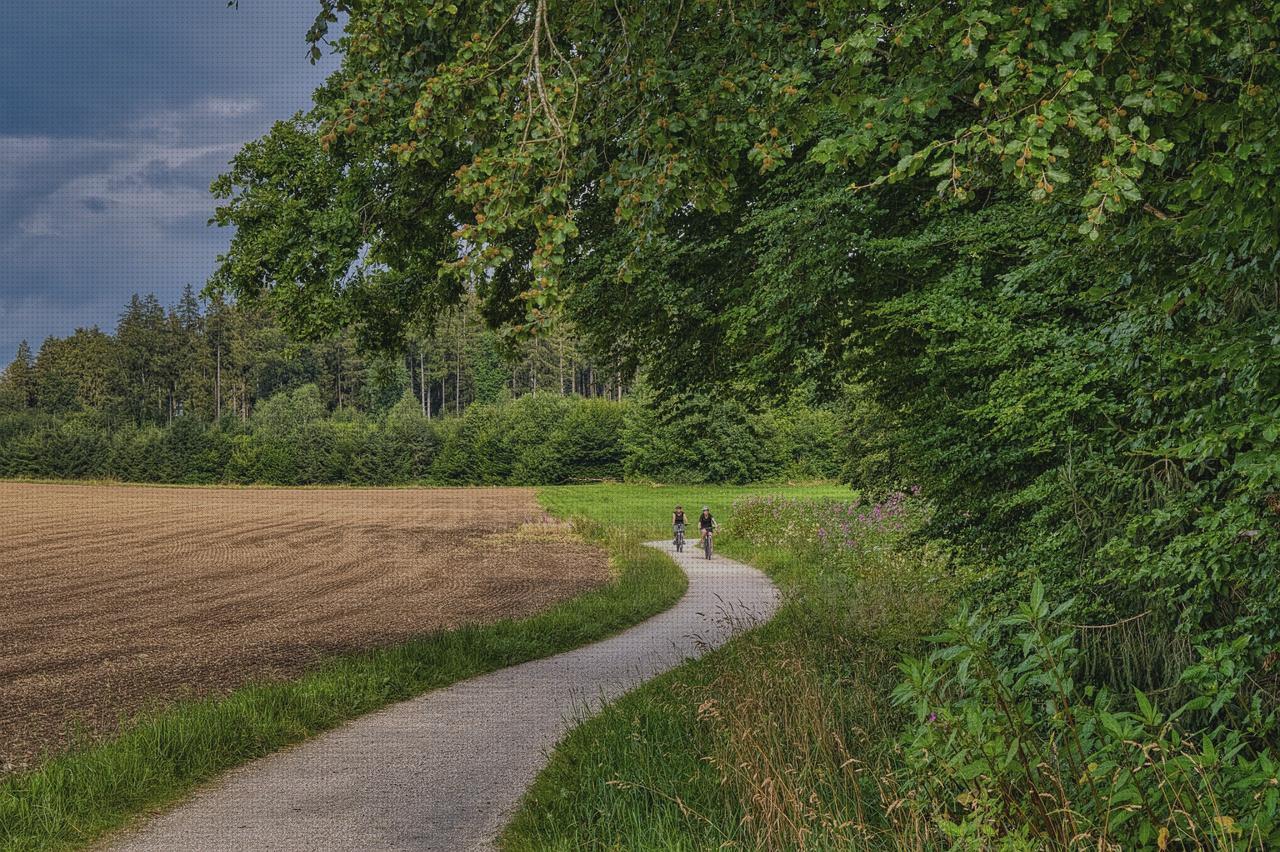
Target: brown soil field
116	599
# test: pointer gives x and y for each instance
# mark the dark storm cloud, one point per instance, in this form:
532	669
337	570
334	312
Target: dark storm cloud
115	115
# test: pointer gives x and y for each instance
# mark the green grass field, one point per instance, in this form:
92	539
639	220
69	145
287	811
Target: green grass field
644	511
74	799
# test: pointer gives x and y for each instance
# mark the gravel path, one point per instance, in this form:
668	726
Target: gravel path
446	770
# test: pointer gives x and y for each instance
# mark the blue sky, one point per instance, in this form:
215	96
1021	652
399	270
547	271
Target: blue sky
115	115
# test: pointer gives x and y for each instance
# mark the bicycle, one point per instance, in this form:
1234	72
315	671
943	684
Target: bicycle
679	528
706	542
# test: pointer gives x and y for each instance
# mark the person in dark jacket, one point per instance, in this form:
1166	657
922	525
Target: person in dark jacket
706	523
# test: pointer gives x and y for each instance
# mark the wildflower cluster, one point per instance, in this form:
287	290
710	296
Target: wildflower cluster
829	529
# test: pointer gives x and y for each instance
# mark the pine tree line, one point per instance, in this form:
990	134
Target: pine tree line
215	359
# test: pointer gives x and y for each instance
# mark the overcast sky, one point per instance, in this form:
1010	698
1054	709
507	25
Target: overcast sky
115	115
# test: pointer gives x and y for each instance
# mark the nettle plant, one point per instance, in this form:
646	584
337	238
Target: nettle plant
1003	752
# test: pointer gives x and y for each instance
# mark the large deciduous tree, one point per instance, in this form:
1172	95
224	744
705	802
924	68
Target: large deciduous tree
465	141
1045	235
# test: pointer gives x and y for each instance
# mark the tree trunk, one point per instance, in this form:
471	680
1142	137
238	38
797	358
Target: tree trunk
422	380
217	387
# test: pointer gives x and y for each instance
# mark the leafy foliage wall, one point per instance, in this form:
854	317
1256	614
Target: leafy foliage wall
537	439
1045	237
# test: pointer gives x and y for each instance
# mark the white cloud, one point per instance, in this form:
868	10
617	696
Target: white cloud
38	225
132	193
33	165
228	107
51	313
130	187
207	119
86	222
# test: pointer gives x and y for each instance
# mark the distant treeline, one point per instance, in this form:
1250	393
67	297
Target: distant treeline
292	438
213	359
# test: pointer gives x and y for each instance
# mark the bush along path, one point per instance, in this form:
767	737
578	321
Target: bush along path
446	770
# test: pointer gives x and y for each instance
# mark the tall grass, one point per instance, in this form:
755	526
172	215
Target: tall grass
1008	743
786	737
839	725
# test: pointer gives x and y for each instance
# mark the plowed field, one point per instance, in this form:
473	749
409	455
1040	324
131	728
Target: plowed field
115	599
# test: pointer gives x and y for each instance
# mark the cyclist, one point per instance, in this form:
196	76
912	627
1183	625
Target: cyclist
706	523
677	523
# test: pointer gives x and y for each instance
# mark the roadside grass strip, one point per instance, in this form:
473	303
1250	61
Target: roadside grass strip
782	739
75	798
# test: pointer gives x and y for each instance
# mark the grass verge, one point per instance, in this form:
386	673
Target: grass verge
839	726
75	798
781	739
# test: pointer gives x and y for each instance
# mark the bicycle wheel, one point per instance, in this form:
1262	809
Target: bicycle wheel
680	542
706	544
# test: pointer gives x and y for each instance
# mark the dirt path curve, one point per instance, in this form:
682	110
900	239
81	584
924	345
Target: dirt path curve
446	770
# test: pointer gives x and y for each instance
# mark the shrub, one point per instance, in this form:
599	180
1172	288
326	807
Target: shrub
137	454
411	439
491	442
588	442
537	439
196	453
1001	741
17	425
456	460
801	443
693	439
1017	754
242	463
531	423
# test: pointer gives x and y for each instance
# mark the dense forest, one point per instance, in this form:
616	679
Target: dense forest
211	358
1044	239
